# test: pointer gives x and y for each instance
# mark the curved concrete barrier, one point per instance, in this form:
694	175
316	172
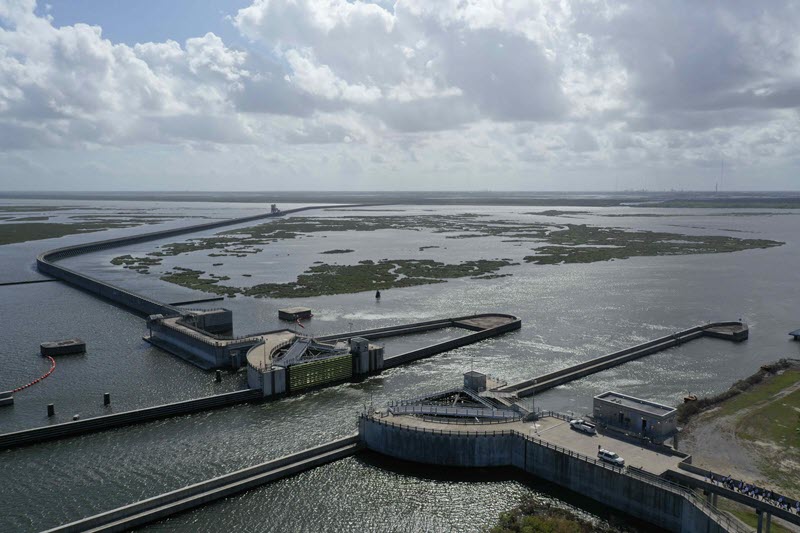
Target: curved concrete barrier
647	497
46	261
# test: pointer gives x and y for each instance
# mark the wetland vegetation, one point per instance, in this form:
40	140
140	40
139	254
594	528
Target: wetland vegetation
588	244
326	279
554	244
32	223
139	264
14	232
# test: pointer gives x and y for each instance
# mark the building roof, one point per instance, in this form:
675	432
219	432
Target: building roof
636	404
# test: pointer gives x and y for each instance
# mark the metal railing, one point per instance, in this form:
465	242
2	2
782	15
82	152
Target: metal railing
478	412
470	421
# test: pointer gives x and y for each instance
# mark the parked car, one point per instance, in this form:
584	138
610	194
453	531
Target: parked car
582	425
610	457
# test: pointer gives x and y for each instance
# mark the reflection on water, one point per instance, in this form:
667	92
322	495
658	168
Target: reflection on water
570	313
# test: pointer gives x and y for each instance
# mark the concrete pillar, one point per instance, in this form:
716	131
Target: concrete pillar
714	499
107	398
51	409
769	521
760	521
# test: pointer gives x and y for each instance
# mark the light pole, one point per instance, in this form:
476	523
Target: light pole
533	402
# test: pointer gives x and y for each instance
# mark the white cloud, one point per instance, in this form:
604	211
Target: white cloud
69	86
404	93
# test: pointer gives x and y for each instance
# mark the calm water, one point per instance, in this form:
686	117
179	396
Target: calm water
570	313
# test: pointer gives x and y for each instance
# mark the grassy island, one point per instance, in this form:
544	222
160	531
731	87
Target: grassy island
326	279
555	244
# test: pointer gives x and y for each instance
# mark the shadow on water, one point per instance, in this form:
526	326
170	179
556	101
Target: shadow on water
547	493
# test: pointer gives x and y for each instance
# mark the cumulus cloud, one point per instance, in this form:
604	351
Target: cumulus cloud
516	90
69	86
447	57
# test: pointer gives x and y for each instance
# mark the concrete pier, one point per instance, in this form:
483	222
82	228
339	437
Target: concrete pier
170	503
734	331
101	423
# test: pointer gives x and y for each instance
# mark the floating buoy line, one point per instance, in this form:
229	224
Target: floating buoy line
35	381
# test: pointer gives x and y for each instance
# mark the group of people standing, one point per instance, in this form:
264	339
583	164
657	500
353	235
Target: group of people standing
755	492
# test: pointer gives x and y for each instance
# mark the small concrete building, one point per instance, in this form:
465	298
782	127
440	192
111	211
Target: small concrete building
635	416
367	357
475	381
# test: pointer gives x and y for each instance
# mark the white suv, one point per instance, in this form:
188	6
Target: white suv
610	457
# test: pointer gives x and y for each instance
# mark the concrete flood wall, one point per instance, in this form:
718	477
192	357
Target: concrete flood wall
390	331
46	262
416	327
653	501
159	507
470	338
199	347
100	423
558	377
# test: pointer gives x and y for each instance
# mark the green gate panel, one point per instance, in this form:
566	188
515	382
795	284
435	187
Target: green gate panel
316	373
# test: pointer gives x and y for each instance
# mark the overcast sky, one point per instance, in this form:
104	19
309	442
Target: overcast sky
415	94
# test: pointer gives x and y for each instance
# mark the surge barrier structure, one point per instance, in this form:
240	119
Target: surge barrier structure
270	382
275	380
644	496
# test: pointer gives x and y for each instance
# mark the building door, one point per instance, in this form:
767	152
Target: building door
644	425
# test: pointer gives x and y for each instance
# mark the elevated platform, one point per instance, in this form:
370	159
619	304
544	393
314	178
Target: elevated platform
550	449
